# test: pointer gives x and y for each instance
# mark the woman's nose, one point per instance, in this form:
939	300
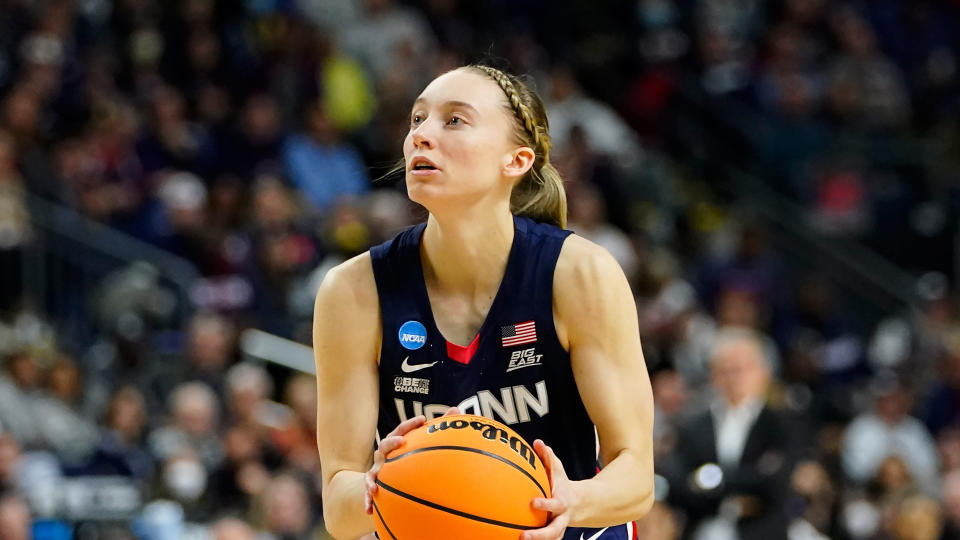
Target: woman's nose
422	137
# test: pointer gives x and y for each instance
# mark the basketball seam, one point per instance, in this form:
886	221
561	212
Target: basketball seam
476	451
385	526
442	508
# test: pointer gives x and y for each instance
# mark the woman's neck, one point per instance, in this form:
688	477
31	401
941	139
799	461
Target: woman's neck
466	254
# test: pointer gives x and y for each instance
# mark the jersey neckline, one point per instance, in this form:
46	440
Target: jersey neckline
495	306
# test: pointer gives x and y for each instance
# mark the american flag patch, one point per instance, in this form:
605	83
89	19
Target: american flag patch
518	334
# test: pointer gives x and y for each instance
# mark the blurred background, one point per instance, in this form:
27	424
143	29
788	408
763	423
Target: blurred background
177	176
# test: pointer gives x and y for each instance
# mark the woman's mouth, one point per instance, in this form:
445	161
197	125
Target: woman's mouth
423	167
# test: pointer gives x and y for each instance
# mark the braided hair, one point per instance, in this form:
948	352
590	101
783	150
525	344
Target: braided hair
540	194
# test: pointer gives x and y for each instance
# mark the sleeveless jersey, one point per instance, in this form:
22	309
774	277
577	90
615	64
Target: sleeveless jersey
515	371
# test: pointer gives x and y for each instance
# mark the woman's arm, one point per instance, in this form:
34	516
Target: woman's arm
346	343
596	318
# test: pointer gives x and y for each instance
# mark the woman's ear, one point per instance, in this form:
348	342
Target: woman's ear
519	162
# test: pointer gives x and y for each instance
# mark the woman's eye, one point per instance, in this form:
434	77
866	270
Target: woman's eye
454	121
416	119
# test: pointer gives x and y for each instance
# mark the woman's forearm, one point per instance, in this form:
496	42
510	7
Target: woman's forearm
343	514
620	493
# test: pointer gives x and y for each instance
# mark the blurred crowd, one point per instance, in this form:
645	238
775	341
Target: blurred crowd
253	139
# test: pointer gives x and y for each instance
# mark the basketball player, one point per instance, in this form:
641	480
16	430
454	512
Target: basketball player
491	307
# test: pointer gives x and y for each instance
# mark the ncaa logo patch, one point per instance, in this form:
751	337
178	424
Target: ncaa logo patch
413	335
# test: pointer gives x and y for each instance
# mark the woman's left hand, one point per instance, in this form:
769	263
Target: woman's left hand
562	497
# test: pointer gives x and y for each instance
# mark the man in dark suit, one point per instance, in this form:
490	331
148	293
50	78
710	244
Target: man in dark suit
731	467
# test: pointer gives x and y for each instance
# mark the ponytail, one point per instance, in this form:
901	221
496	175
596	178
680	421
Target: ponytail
541	197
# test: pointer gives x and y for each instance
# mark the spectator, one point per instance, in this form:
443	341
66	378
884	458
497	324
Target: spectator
348	97
659	523
15	228
951	504
194	418
9	464
120	451
232	529
818	495
386	35
282	252
942	409
257	144
173	141
948	445
889	431
729	471
241	476
14	519
880	94
670	396
183	480
297	438
18	392
588	219
917	517
208	352
100	172
248	389
752	268
605	132
322	166
179	226
63	427
286	508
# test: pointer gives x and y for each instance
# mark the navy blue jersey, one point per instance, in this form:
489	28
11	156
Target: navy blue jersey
515	371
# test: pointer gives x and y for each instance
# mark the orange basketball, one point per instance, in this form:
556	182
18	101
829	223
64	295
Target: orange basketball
460	477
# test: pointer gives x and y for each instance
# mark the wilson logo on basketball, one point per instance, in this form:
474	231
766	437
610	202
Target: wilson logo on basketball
491	433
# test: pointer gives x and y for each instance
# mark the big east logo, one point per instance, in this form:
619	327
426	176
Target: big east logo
523	358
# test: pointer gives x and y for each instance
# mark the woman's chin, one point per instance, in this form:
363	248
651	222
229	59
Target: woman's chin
443	197
424	192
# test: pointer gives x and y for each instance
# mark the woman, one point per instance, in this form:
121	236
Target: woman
490	307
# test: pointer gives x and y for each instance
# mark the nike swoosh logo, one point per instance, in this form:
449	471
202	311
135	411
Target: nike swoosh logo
595	536
407	368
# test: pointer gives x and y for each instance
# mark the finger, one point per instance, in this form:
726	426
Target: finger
549	458
553	531
452	411
390	444
368	498
408	425
541	449
370	482
553	505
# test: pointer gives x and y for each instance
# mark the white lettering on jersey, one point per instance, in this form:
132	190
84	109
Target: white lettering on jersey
435	411
411	385
402	412
489	405
524	398
471	405
513	407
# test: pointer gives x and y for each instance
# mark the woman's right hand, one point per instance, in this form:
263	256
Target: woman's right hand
388	444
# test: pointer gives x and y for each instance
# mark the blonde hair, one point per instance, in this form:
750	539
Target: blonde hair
539	195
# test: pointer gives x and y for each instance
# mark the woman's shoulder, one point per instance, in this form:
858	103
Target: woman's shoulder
583	262
589	289
350	285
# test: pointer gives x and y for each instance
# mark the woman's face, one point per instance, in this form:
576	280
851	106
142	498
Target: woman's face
460	147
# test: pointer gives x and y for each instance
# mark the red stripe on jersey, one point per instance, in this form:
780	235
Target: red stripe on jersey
459	353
